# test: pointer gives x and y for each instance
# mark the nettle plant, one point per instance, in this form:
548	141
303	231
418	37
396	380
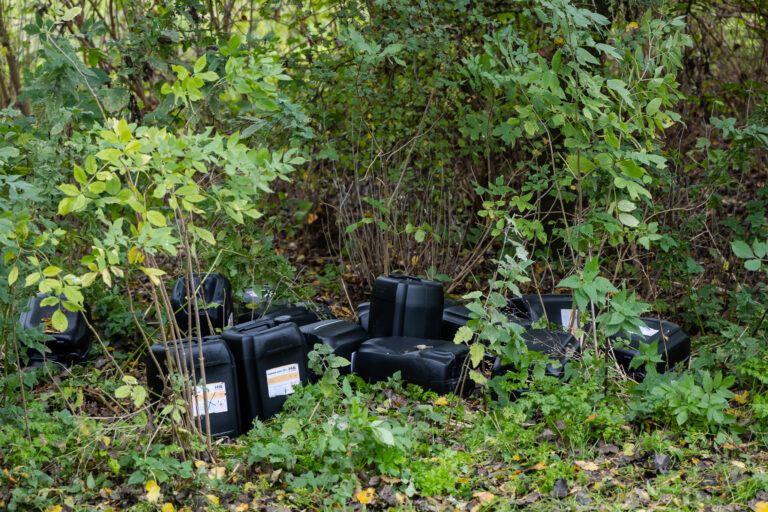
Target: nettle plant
146	194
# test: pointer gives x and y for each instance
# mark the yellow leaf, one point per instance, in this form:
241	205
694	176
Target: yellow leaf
312	217
586	465
199	464
242	507
590	417
632	26
741	397
365	496
105	440
516	457
216	473
484	497
213	499
441	401
52	508
153	491
167	507
760	506
135	255
540	466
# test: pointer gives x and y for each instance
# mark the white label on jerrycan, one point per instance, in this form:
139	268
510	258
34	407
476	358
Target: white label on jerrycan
647	331
569	318
280	380
217	399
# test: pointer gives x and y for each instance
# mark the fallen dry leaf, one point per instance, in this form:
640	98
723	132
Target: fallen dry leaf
586	465
153	491
365	496
441	401
484	497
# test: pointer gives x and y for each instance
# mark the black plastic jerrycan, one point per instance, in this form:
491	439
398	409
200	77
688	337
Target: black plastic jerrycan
406	306
343	336
271	360
674	345
432	364
214	300
70	346
220	377
557	345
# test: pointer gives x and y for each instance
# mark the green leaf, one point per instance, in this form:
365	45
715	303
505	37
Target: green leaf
114	99
631	169
80	175
59	321
32	278
69	189
383	435
557	59
200	64
139	395
71	14
153	274
109	154
209	76
265	104
626	206
571	281
530	128
51	271
653	106
205	235
611	138
156	218
419	235
123	391
78	203
463	335
628	220
476	353
13	275
291	427
753	265
741	249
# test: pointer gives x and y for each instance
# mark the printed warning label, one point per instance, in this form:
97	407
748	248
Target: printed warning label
217	399
280	380
569	319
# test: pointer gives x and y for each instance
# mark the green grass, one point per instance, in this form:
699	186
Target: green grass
567	447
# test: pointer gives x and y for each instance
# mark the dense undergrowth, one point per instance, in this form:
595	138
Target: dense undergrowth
613	150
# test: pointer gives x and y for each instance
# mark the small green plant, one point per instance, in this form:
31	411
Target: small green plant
131	388
696	399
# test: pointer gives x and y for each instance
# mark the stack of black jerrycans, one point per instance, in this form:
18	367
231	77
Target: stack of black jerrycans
412	329
253	360
250	366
